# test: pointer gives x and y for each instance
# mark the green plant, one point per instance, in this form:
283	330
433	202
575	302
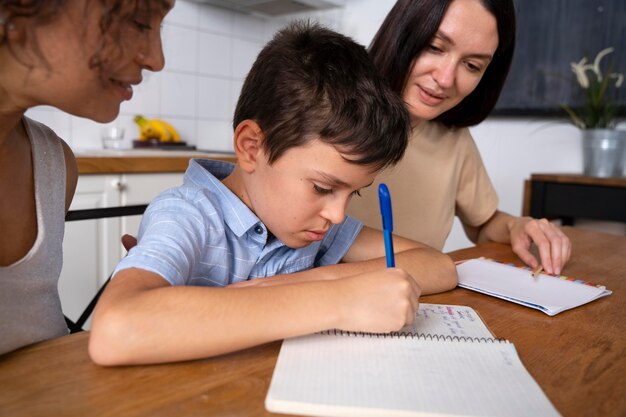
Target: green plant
598	110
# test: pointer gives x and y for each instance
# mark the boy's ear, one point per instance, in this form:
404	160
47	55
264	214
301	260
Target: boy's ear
248	144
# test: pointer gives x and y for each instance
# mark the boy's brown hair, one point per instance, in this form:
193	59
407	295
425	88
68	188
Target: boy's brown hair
311	83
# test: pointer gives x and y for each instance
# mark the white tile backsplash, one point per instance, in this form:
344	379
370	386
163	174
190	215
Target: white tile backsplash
216	20
146	96
249	27
244	54
215	135
178	95
214	98
185	13
208	52
178	46
215	54
235	90
86	134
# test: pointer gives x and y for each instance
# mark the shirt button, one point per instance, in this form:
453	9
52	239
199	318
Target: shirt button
258	230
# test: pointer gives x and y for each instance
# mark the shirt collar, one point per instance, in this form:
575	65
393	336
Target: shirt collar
238	217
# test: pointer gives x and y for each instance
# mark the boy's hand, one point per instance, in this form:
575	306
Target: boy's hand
380	301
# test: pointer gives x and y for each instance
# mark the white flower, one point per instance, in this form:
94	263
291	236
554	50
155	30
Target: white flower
597	111
619	78
579	69
596	62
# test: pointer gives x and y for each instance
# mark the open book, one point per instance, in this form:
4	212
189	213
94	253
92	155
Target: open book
446	364
543	292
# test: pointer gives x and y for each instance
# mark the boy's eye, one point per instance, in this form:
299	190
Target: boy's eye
356	192
321	190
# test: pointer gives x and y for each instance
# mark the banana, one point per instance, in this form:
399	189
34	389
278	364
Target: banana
156	129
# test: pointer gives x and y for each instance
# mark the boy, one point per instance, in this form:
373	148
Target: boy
313	125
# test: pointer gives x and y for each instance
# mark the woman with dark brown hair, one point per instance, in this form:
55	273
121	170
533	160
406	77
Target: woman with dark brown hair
449	59
82	57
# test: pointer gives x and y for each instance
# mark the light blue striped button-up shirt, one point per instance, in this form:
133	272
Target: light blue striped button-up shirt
202	234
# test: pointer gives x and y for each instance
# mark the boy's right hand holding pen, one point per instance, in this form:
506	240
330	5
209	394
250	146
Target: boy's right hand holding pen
377	301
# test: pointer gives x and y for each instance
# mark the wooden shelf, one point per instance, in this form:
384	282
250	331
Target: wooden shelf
572	196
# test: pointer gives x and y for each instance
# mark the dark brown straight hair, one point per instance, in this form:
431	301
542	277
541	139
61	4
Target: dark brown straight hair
408	30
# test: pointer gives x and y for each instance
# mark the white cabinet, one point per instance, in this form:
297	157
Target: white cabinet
92	248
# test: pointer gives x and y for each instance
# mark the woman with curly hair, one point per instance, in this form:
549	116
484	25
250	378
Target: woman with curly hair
82	57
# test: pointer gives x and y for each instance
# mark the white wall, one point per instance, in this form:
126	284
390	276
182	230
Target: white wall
209	50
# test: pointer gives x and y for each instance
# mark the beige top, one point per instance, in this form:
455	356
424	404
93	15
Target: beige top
441	175
30	307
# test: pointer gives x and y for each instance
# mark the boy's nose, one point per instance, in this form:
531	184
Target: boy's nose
335	211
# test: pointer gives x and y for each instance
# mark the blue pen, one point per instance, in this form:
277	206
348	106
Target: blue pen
385	210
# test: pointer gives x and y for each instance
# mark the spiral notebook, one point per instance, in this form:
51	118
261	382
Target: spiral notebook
546	293
446	364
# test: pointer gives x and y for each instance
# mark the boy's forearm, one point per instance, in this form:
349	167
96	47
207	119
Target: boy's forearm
141	319
433	271
179	323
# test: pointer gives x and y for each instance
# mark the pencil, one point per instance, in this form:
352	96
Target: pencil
537	271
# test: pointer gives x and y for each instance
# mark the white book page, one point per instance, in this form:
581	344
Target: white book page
551	293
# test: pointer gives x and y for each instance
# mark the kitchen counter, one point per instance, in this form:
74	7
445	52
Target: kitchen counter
104	161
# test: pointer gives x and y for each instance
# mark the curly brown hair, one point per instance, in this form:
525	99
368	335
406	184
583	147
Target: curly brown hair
39	12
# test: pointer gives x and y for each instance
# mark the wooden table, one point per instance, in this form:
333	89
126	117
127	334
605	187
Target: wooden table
571	196
578	357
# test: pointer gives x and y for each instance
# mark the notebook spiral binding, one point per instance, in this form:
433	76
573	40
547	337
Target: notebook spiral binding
422	336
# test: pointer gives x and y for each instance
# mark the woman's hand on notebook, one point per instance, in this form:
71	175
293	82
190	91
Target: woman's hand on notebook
553	246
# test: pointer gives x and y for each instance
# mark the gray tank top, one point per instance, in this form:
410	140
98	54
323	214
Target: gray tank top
30	308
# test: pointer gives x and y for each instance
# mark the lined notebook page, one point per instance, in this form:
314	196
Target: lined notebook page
329	375
447	364
447	320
